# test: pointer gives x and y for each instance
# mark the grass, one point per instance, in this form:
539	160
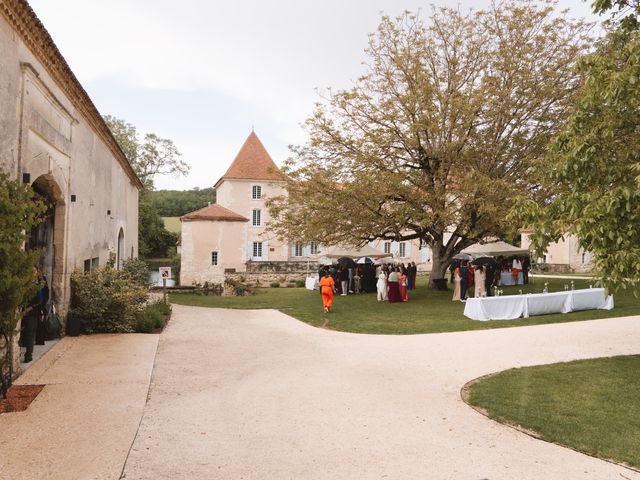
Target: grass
428	311
590	405
172	224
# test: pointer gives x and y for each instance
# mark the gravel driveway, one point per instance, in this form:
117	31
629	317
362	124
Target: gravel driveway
240	394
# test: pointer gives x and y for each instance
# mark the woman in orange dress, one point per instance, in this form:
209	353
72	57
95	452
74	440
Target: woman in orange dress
404	295
326	289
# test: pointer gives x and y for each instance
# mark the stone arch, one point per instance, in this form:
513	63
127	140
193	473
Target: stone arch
50	235
120	249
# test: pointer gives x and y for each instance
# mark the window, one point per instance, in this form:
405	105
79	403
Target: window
297	251
91	264
387	247
257	249
256	217
313	247
256	192
403	249
214	258
87	265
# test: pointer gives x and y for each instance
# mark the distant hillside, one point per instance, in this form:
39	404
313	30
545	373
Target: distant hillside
172	224
175	203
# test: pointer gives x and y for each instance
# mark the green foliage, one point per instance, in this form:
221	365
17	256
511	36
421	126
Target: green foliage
592	173
299	283
175	203
154	239
274	284
150	156
153	317
439	135
20	211
138	270
175	267
106	300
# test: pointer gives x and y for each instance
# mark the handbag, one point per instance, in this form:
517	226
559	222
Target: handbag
54	324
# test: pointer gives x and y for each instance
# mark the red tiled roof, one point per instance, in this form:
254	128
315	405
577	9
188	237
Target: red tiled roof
253	162
214	212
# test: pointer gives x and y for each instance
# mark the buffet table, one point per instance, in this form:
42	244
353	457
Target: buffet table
509	307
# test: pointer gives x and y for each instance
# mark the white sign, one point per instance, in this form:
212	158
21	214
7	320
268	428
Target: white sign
165	272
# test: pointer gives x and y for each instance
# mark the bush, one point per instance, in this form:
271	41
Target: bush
300	283
153	317
291	284
106	300
138	269
274	285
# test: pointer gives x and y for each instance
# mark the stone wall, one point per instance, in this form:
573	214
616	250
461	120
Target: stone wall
262	274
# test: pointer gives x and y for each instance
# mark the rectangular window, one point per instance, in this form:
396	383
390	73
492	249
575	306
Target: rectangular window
387	247
257	249
87	265
256	217
313	248
95	263
214	258
402	250
423	243
256	192
297	251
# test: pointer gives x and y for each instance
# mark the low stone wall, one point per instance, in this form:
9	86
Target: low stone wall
561	268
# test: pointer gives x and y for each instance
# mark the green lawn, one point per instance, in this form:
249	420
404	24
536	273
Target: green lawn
590	405
172	224
427	311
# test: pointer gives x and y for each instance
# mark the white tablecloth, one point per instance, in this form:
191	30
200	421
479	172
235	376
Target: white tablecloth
514	306
506	279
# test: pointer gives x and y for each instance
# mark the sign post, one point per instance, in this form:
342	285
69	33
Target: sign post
165	273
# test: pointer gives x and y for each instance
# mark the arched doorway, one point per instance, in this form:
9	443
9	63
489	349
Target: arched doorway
49	236
120	254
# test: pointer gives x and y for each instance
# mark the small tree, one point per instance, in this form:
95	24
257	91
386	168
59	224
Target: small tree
19	212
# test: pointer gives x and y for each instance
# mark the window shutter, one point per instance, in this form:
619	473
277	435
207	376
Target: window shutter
306	250
265	251
395	248
250	251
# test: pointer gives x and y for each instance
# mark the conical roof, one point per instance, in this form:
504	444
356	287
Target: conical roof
253	162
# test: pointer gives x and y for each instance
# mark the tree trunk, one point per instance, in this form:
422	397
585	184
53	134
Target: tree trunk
439	268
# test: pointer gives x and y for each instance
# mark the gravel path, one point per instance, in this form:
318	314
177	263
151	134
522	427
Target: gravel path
242	394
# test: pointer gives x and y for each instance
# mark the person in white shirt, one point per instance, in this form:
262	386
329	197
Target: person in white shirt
516	268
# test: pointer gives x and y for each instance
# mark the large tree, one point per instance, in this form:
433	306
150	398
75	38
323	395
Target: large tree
439	134
149	156
20	211
592	173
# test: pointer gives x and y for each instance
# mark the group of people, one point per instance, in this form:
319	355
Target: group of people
393	281
485	277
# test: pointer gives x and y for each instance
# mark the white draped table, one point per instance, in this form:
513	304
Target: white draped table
514	306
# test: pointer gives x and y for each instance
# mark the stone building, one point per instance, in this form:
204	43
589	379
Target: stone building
565	255
53	138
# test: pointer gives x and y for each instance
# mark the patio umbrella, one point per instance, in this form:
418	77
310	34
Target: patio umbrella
365	260
463	256
346	262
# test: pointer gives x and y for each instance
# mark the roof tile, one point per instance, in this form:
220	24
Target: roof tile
253	162
214	212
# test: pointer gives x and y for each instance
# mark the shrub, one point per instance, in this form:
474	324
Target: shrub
300	283
153	317
138	269
106	300
291	284
274	284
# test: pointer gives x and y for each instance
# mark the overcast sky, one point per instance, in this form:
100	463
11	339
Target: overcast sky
202	73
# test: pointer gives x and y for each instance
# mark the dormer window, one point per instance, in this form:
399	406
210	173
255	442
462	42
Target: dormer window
256	192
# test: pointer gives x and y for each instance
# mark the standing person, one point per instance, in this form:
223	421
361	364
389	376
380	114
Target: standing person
382	286
404	294
30	322
343	274
526	266
489	270
407	273
393	286
351	286
455	272
356	281
464	281
414	275
326	289
480	277
43	301
516	268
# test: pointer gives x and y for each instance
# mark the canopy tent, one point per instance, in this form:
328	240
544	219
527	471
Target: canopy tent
353	252
494	249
